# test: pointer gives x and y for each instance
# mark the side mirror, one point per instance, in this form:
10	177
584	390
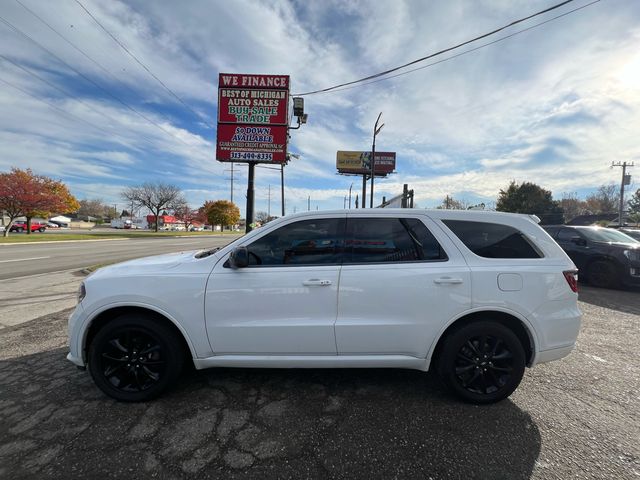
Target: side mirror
239	258
579	241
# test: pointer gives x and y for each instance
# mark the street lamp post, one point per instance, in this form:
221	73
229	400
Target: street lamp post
376	131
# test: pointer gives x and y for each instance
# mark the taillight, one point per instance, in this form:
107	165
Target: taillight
572	279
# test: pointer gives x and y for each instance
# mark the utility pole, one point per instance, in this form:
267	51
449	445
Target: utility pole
269	204
231	171
376	131
626	180
350	187
356	200
308	203
344	203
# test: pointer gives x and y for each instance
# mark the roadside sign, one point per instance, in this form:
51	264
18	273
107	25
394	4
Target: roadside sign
253	118
251	143
359	162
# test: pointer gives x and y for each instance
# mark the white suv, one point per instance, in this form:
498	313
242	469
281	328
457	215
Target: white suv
476	296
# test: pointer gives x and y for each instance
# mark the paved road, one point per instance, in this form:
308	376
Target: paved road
20	259
576	418
38	279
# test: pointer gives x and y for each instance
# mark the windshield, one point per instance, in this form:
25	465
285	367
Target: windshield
606	235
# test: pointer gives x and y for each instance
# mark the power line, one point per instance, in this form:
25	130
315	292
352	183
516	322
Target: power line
82	52
53	85
501	39
115	39
66	93
391	70
17	30
71	115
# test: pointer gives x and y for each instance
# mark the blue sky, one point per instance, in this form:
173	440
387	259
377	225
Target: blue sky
554	105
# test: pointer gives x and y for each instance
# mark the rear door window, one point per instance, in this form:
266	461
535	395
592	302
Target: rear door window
390	240
493	240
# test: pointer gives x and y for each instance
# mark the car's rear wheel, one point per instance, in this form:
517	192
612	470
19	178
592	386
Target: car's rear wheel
19	229
135	358
482	362
603	274
41	229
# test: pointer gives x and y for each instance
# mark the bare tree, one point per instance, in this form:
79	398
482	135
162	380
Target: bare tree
450	203
154	196
605	200
261	217
572	206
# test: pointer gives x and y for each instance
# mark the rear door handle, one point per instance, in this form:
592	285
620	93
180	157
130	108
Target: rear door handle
316	282
447	281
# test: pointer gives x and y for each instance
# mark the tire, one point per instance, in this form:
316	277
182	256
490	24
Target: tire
482	362
19	229
135	358
41	229
603	274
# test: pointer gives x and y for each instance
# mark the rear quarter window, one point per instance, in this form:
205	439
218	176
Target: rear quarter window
493	240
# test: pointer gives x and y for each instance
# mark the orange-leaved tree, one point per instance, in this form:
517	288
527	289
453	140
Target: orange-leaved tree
25	194
221	212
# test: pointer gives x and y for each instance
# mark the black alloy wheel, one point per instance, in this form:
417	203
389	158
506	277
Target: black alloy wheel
134	359
603	274
482	362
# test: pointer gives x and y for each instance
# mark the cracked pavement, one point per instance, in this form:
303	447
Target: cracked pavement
576	418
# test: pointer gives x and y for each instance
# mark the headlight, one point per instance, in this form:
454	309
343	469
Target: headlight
632	254
82	292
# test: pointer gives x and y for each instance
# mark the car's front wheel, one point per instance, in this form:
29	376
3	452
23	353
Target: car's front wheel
19	229
482	362
135	358
41	229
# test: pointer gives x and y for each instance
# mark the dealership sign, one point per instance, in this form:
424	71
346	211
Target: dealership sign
252	118
251	143
360	162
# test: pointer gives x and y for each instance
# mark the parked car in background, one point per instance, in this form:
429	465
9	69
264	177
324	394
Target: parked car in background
52	225
476	296
20	227
58	224
632	232
2	228
605	257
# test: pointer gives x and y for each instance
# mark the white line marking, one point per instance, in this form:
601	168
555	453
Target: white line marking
23	259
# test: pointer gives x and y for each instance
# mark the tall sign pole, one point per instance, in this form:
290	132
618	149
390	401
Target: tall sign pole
364	190
626	180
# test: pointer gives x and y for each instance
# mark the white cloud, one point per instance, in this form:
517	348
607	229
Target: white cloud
554	105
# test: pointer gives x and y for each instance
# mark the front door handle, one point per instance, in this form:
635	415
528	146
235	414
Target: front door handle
447	281
316	282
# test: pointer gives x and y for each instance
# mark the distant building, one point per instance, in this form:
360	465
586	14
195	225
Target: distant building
165	222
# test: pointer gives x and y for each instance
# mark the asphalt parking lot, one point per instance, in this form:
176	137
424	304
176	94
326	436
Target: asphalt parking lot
577	418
